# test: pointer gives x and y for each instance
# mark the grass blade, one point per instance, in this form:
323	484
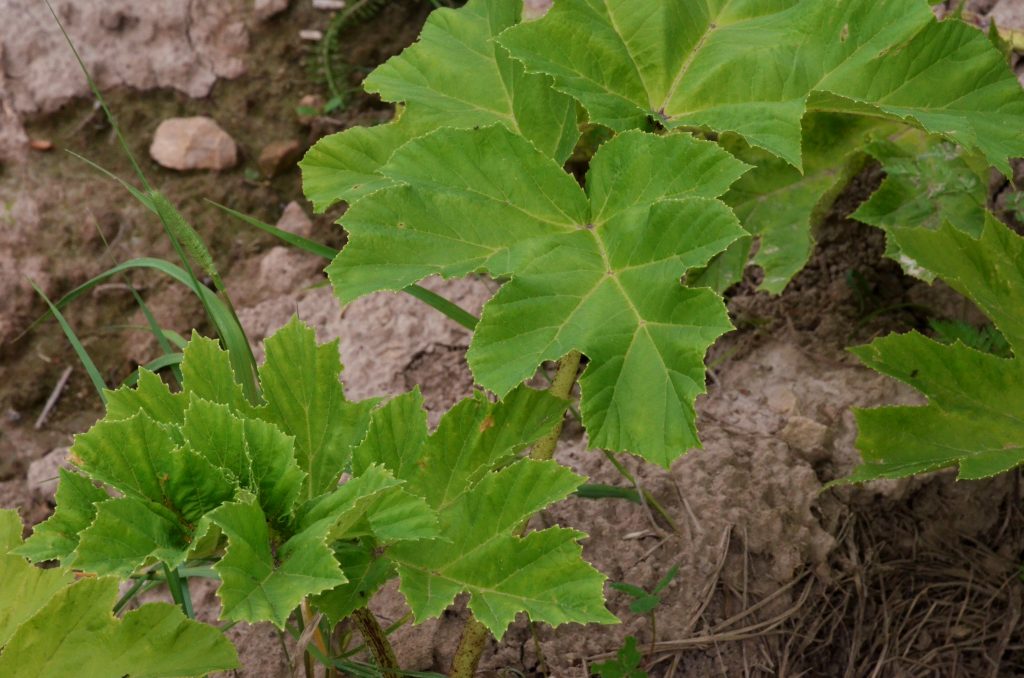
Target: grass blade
432	299
304	244
223	318
83	355
172	360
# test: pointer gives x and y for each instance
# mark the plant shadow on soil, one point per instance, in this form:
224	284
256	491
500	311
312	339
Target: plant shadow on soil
776	578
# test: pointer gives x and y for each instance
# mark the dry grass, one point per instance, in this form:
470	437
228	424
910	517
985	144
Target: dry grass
899	605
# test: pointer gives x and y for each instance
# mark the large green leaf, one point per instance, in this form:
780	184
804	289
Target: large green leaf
755	68
596	271
75	634
973	417
456	75
483	495
50	626
541	574
24	589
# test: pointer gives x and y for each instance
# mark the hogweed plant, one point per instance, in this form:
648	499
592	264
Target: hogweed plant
725	122
711	125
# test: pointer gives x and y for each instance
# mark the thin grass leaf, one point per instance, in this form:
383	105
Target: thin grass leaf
174	226
83	355
222	316
155	365
304	244
439	303
450	309
136	193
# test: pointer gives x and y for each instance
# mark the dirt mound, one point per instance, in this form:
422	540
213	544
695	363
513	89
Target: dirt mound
186	46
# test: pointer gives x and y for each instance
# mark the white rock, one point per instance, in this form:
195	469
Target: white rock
330	5
193	143
264	9
294	220
42	473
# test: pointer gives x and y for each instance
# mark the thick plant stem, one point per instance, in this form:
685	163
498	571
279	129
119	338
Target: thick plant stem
561	387
471	646
475	634
377	641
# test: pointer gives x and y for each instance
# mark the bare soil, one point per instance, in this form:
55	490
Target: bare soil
778	576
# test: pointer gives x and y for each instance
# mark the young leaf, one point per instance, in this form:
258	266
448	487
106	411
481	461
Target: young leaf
57	537
258	584
194	468
305	400
757	68
131	454
643	601
128	533
596	271
625	665
208	373
366	573
973	414
151	396
456	75
481	511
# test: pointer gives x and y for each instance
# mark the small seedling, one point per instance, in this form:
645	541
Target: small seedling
646	602
625	665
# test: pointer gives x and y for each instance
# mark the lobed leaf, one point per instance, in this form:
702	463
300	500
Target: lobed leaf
783	206
366	574
928	182
128	533
973	416
305	399
596	271
57	537
258	583
455	75
756	68
194	469
482	499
